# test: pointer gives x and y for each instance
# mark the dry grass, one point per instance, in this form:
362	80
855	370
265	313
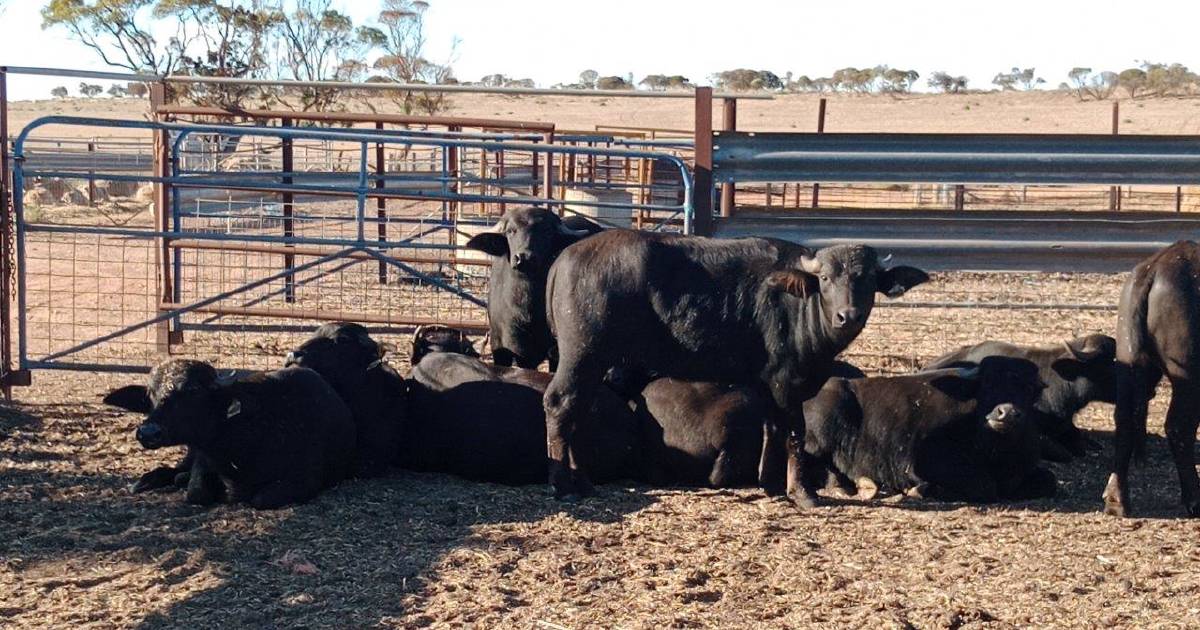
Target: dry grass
418	550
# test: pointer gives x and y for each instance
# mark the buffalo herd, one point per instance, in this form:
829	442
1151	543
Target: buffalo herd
681	360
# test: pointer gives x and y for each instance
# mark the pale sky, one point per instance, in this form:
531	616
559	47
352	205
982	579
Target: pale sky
551	41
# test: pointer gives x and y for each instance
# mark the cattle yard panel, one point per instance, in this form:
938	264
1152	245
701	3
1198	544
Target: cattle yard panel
249	254
1000	241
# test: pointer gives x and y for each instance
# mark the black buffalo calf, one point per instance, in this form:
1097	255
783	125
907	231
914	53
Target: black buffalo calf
437	338
941	432
276	437
701	433
352	363
1075	373
486	422
523	245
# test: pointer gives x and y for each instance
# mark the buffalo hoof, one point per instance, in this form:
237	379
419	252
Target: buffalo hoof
161	477
1193	509
1116	503
583	487
560	481
803	499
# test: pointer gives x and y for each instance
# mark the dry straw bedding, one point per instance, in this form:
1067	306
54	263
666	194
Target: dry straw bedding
414	550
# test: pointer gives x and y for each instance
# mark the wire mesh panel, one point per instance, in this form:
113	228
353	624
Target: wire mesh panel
242	239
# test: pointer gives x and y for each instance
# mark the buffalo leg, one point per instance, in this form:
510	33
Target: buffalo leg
1135	385
773	460
1182	420
284	492
204	485
1040	484
503	357
569	395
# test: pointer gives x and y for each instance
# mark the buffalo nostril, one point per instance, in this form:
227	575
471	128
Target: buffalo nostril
149	435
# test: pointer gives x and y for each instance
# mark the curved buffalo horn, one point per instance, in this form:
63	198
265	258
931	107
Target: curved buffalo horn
810	265
886	259
566	231
420	329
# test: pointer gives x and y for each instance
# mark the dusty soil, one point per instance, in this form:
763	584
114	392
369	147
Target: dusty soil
999	112
416	550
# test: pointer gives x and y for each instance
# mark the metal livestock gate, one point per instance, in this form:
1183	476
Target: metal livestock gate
207	267
1105	242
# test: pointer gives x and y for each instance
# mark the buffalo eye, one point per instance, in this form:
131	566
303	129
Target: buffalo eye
824	278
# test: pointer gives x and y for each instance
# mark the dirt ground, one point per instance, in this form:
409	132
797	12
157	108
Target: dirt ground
417	550
995	112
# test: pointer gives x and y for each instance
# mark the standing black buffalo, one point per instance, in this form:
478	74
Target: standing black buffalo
523	245
1158	333
942	432
486	423
346	356
277	437
738	311
1075	373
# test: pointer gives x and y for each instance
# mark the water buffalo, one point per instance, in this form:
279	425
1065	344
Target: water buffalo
437	338
276	437
523	245
741	311
943	432
346	356
1158	333
701	433
1075	373
486	423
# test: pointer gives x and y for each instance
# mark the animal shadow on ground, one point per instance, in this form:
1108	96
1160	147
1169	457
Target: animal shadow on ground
358	554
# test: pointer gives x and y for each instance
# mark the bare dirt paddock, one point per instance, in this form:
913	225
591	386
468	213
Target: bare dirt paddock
414	550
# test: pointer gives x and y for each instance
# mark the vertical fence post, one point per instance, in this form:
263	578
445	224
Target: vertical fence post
548	168
6	231
289	226
1179	199
960	196
91	147
1114	193
162	202
816	198
381	203
702	199
729	123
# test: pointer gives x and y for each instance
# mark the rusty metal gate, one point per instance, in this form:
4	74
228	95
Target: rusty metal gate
239	243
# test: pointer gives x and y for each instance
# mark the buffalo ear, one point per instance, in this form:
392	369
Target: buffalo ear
131	397
489	243
958	383
1093	348
797	283
894	281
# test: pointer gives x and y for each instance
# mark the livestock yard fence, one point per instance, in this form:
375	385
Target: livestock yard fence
226	234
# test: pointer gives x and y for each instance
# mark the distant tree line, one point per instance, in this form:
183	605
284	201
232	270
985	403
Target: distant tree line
304	40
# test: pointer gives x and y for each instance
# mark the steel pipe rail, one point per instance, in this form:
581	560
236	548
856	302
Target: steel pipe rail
956	158
981	241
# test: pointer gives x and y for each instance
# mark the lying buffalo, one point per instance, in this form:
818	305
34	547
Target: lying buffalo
437	338
943	433
346	356
1158	334
745	311
276	437
1075	373
486	423
701	433
523	245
